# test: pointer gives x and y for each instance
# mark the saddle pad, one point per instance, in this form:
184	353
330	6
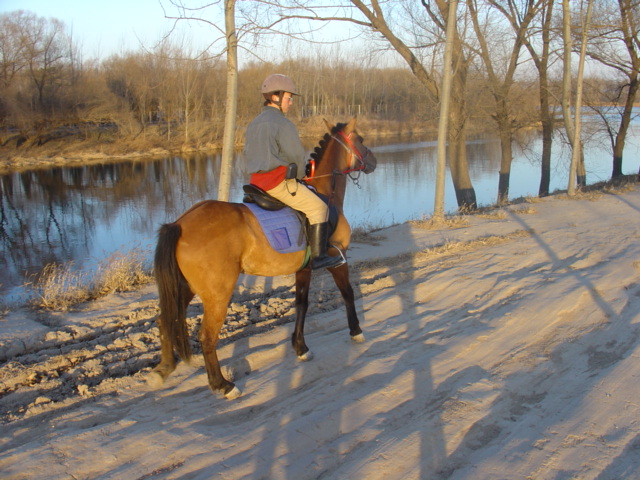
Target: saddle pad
281	227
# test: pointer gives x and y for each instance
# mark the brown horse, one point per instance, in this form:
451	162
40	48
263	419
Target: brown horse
204	251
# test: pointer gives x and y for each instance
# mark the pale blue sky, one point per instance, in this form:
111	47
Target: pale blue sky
102	27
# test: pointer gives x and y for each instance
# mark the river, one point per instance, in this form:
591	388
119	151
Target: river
85	214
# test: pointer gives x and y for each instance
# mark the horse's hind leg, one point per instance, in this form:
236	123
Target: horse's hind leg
214	315
341	278
167	356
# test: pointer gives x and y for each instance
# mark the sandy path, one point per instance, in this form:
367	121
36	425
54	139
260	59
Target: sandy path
508	352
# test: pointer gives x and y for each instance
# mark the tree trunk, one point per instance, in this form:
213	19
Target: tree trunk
581	174
576	171
438	211
546	116
618	147
465	193
228	139
566	94
545	158
505	163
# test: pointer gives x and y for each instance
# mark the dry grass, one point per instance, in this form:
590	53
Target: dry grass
450	247
492	214
59	287
593	192
121	272
525	209
530	199
363	235
445	249
597	191
450	221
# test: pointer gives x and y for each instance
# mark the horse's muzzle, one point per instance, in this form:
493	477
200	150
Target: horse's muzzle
370	162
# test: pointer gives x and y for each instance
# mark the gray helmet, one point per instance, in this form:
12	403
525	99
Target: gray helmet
279	83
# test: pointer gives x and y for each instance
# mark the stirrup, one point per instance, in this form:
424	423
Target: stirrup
341	260
326	261
342	256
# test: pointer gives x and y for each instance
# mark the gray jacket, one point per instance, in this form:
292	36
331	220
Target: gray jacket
272	140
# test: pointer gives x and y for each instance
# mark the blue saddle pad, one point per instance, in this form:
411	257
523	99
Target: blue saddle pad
281	227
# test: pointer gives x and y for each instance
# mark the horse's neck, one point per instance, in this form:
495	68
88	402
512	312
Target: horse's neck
339	191
336	195
327	178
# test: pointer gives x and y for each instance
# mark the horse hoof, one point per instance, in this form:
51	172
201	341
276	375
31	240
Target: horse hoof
305	357
233	394
359	338
155	380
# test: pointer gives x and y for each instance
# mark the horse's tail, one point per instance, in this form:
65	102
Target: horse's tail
173	291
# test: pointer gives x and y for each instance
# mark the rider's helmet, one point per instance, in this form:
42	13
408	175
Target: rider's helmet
278	83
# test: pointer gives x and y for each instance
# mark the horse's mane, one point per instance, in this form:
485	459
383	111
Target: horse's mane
319	151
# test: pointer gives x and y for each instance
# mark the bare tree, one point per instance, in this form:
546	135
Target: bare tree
501	77
231	104
375	20
230	49
44	45
616	45
538	44
39	48
573	128
12	54
458	116
438	213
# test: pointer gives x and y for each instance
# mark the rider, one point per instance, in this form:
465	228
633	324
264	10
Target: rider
271	144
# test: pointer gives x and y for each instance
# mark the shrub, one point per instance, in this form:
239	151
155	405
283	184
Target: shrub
60	286
120	272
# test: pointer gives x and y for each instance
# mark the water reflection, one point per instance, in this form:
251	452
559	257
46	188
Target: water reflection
83	214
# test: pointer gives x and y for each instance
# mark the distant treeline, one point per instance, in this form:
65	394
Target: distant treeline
168	98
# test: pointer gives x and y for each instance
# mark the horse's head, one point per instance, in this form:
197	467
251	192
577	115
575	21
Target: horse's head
360	158
341	152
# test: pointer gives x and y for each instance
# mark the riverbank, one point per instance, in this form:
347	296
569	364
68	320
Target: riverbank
504	342
68	151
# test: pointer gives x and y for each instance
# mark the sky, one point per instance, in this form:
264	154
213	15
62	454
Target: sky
107	27
104	28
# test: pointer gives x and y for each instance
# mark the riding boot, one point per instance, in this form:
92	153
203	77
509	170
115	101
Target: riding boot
318	240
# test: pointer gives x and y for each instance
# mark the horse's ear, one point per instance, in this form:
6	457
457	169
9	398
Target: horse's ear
351	126
329	126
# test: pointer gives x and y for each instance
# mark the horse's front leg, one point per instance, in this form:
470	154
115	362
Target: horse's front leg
341	277
303	280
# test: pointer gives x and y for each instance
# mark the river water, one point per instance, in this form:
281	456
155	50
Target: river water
85	214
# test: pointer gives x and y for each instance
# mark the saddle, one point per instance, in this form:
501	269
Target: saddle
285	228
253	194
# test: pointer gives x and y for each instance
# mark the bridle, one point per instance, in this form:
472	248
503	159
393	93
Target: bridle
347	144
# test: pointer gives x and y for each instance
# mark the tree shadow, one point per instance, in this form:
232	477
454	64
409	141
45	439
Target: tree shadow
565	373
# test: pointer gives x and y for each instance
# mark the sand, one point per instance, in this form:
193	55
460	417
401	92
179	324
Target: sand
505	346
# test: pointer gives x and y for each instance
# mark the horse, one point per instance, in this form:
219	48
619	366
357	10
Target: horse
204	251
